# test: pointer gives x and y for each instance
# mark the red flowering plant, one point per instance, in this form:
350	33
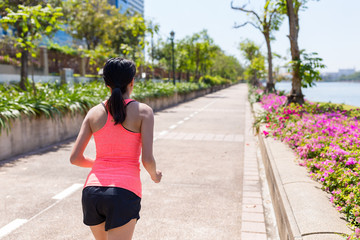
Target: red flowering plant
326	138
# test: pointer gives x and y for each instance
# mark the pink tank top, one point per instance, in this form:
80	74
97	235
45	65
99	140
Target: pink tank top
117	157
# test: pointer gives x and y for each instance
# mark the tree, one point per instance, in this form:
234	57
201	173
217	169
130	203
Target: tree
88	20
256	62
101	25
225	66
13	4
185	56
162	54
291	8
136	29
31	24
267	22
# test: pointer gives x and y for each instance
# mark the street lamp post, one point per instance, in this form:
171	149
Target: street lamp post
172	35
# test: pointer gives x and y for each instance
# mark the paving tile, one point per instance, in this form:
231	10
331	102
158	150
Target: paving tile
251	173
180	136
250	167
239	138
252	194
219	137
199	136
253	208
253	236
251	178
251	183
189	136
229	138
209	136
251	188
252	200
253	217
255	227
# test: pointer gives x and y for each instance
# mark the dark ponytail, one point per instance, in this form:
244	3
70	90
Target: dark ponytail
118	74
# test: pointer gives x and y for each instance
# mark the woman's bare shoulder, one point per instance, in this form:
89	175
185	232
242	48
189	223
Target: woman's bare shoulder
97	117
145	109
97	110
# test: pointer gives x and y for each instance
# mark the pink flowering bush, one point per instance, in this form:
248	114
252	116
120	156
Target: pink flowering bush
326	138
8	60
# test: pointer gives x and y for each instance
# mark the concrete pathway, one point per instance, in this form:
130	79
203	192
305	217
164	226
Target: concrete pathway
211	188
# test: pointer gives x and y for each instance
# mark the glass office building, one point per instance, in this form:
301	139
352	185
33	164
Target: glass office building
132	5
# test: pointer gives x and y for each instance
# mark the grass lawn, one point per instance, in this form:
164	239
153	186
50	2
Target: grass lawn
346	107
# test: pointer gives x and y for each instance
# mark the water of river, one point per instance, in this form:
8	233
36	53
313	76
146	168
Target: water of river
335	92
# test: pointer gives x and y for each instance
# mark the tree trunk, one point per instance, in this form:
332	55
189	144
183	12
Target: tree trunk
255	80
270	85
32	76
24	69
296	95
197	71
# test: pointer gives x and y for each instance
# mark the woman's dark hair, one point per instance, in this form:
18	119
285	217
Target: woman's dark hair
117	74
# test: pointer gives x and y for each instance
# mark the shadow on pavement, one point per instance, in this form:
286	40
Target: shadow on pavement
10	162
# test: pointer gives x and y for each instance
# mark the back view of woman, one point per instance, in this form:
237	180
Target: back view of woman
122	129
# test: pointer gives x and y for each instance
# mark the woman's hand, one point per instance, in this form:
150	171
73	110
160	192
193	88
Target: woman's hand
157	177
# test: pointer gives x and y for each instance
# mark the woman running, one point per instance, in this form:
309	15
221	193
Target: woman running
122	129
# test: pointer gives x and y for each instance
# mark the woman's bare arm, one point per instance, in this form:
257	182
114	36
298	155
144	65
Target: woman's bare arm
77	154
147	133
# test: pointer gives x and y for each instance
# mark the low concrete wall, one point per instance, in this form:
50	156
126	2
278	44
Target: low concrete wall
303	211
164	102
14	78
28	134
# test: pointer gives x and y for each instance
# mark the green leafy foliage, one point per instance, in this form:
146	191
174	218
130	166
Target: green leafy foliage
214	80
51	100
62	49
255	68
226	66
106	29
197	55
31	24
54	100
309	68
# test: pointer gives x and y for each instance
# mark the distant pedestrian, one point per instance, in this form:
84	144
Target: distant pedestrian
122	129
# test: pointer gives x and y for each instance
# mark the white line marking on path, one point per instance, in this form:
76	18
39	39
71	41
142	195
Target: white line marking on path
67	191
19	222
163	132
11	226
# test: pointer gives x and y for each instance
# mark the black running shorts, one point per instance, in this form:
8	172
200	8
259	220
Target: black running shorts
112	205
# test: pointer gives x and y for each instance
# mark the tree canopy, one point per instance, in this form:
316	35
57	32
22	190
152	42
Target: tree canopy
267	21
255	68
30	24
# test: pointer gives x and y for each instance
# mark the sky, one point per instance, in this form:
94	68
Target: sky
328	27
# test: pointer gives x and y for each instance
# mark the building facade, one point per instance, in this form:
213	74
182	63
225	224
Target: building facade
132	5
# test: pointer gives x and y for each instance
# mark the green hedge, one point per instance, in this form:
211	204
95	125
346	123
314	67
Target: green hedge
214	80
54	100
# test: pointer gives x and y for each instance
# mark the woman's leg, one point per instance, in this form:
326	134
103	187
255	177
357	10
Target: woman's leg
124	232
99	231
